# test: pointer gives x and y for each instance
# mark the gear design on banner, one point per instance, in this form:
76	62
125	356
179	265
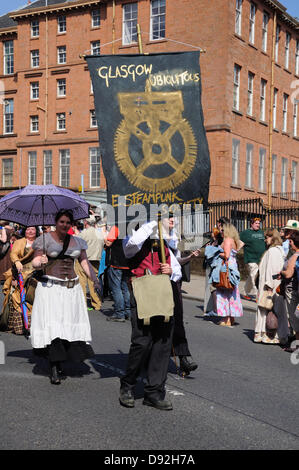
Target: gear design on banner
154	146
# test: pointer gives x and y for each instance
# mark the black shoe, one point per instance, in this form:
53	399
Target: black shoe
54	377
187	366
165	405
126	398
116	318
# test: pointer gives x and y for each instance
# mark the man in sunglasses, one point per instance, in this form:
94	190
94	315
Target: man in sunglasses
254	247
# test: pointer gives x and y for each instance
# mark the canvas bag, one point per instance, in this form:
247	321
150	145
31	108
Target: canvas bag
154	296
266	300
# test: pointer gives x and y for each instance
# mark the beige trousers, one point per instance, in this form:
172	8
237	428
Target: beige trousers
84	279
249	286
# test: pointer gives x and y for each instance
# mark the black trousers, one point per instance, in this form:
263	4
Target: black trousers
150	348
180	343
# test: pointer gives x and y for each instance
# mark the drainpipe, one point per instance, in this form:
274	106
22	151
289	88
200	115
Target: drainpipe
271	114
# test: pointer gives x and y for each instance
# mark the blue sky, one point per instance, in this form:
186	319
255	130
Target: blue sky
6	6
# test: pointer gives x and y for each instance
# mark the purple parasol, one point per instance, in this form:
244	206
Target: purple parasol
38	205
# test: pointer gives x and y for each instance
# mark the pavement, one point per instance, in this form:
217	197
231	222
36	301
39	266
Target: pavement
195	290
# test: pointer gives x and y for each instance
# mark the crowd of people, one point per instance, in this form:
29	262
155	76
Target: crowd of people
271	260
73	266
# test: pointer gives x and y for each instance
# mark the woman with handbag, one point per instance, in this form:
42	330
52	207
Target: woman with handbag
268	281
21	256
228	298
60	328
291	276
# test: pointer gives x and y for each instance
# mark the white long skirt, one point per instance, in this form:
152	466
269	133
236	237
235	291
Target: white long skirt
58	312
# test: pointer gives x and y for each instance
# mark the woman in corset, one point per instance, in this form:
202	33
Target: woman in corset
60	328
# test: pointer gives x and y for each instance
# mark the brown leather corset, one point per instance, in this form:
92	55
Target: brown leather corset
61	268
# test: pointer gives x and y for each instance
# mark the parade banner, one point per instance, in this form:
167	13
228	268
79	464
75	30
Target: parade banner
151	131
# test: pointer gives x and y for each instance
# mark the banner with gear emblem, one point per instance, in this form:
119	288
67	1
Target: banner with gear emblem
151	131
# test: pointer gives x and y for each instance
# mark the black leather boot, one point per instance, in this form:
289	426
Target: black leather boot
187	366
54	376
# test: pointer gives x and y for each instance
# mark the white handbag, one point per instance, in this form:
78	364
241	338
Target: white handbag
266	300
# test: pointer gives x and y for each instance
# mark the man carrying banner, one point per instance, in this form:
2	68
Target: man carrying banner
150	342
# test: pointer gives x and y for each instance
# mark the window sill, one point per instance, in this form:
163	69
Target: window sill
61	97
253	46
286	134
3	136
92	129
287	70
275	130
249	189
58	71
296	137
128	46
61	33
236	111
235	186
92	28
155	41
34	38
239	37
60	132
277	65
251	117
264	123
265	53
262	191
30	134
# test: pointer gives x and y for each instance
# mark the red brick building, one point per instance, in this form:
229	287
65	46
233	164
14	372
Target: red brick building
48	133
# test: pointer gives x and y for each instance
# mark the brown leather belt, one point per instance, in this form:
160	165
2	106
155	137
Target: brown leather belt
69	283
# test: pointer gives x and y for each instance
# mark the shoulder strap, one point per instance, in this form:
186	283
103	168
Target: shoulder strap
65	246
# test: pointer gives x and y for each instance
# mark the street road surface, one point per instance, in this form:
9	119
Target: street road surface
242	396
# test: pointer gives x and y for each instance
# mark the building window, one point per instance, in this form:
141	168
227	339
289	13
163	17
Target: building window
274	173
236	97
238	22
294	173
94	167
249	163
32	162
252	22
158	8
277	43
265	32
7	172
61	87
8	125
130	23
285	113
93	119
35	58
235	161
284	175
95	48
34	124
287	50
250	94
61	54
61	24
34	29
275	94
295	118
297	58
263	100
64	173
47	166
8	57
60	122
34	90
95	18
262	165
